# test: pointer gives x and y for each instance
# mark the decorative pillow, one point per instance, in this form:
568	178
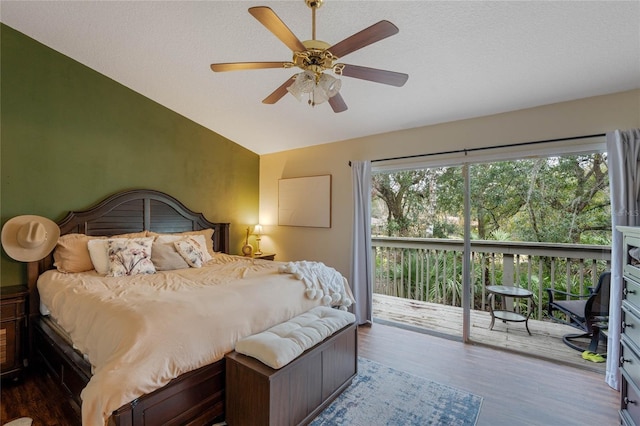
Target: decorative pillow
130	256
72	254
192	251
206	233
165	257
98	250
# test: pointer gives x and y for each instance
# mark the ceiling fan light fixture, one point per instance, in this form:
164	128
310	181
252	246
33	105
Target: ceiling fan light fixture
318	96
304	83
320	88
330	85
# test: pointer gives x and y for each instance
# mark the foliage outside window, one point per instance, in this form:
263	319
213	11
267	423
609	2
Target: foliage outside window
561	199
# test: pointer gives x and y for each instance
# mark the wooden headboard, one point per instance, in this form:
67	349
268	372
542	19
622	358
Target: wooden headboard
125	212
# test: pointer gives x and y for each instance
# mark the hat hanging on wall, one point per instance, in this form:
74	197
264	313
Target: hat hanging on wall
29	238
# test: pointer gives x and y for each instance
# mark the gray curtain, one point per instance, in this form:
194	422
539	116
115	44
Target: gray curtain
623	156
361	279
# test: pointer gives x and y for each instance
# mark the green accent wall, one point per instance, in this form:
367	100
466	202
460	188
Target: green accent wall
71	136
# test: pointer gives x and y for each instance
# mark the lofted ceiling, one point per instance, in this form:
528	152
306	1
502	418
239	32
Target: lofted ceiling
464	59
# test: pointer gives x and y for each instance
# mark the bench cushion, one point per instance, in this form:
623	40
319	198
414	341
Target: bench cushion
281	344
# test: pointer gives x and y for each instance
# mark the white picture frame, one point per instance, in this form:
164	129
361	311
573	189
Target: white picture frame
305	201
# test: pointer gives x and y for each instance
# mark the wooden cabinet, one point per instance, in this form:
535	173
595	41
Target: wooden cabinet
258	395
13	330
630	337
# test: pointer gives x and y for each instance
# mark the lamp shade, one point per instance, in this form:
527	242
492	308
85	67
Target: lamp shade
330	85
257	230
304	83
319	87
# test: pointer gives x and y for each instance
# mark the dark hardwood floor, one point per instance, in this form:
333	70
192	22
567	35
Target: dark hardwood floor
517	390
35	395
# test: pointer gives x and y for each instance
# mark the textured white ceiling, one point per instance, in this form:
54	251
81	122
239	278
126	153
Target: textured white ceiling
464	59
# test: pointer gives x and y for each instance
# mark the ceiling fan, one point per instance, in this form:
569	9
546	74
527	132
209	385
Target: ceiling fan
315	57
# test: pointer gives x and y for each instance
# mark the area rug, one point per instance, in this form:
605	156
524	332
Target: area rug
380	395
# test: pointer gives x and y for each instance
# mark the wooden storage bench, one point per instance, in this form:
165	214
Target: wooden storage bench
295	394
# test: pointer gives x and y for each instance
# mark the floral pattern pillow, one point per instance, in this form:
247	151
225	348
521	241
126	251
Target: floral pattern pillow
192	252
130	257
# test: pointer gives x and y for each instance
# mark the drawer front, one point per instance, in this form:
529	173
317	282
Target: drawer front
631	292
630	322
632	272
631	364
8	311
12	309
630	403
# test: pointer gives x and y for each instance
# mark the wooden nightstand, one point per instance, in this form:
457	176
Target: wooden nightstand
13	327
265	256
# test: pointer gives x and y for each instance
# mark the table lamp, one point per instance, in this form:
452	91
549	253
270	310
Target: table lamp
257	230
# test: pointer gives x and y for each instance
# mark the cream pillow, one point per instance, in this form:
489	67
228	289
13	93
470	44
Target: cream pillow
131	256
72	254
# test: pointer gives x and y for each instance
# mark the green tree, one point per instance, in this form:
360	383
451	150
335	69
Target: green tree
555	199
405	195
567	202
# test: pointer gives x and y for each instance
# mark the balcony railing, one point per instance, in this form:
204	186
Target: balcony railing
430	269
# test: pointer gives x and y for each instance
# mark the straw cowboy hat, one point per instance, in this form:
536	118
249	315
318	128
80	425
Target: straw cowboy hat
29	238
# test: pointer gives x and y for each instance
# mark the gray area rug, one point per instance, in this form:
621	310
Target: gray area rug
380	395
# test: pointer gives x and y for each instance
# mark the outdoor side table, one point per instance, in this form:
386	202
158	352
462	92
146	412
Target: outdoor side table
504	314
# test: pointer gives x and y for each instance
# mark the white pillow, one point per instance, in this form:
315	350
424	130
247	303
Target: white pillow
99	256
200	239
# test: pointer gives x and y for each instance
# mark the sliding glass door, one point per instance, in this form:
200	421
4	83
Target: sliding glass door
445	236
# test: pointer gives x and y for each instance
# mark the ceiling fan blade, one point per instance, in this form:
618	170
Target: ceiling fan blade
279	92
337	103
392	78
236	66
269	19
372	34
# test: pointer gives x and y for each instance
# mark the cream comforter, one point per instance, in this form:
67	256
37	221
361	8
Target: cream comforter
142	331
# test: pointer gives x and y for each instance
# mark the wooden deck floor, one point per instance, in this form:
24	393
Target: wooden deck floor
545	341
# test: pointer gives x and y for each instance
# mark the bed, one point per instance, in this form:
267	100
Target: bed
195	396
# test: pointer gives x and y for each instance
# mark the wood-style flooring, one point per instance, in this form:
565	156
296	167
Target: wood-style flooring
544	342
517	390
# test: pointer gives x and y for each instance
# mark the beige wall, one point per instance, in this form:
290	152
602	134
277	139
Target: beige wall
332	245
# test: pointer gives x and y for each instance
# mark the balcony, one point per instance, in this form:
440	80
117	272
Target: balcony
418	284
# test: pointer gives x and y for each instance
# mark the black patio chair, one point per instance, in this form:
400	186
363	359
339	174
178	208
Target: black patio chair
588	313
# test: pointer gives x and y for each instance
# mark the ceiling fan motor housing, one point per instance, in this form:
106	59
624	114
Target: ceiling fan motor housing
316	58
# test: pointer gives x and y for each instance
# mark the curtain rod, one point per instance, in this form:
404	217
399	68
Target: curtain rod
511	145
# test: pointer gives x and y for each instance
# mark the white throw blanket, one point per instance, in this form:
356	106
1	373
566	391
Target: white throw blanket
321	282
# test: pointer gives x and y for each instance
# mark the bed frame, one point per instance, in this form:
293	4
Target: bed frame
194	398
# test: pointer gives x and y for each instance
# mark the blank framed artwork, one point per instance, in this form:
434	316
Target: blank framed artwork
305	201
